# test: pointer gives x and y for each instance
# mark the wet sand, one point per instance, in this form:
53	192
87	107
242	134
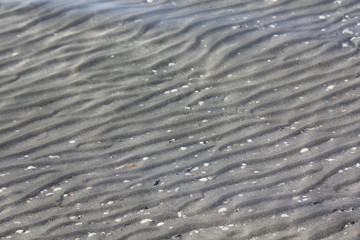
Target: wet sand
179	119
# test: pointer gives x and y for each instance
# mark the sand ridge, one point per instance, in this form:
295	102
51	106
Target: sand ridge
179	119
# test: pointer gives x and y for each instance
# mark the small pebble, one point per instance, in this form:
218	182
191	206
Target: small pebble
92	234
203	179
160	224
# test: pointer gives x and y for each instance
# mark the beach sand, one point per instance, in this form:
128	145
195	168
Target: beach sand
167	119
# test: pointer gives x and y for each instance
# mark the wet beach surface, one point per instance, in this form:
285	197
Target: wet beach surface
180	119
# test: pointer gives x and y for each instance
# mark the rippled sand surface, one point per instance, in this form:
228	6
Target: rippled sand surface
191	119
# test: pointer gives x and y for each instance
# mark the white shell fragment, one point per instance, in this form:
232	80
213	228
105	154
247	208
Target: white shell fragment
304	150
222	210
147	220
30	168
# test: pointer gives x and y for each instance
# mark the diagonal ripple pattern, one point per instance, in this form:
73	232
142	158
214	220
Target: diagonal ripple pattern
167	119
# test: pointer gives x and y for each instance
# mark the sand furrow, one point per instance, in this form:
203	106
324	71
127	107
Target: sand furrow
189	119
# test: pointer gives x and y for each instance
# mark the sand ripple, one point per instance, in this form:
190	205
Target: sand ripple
171	119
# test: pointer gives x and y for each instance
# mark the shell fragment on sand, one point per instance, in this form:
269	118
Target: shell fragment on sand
147	220
222	210
304	150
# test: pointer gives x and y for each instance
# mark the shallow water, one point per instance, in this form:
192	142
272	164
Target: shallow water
179	119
